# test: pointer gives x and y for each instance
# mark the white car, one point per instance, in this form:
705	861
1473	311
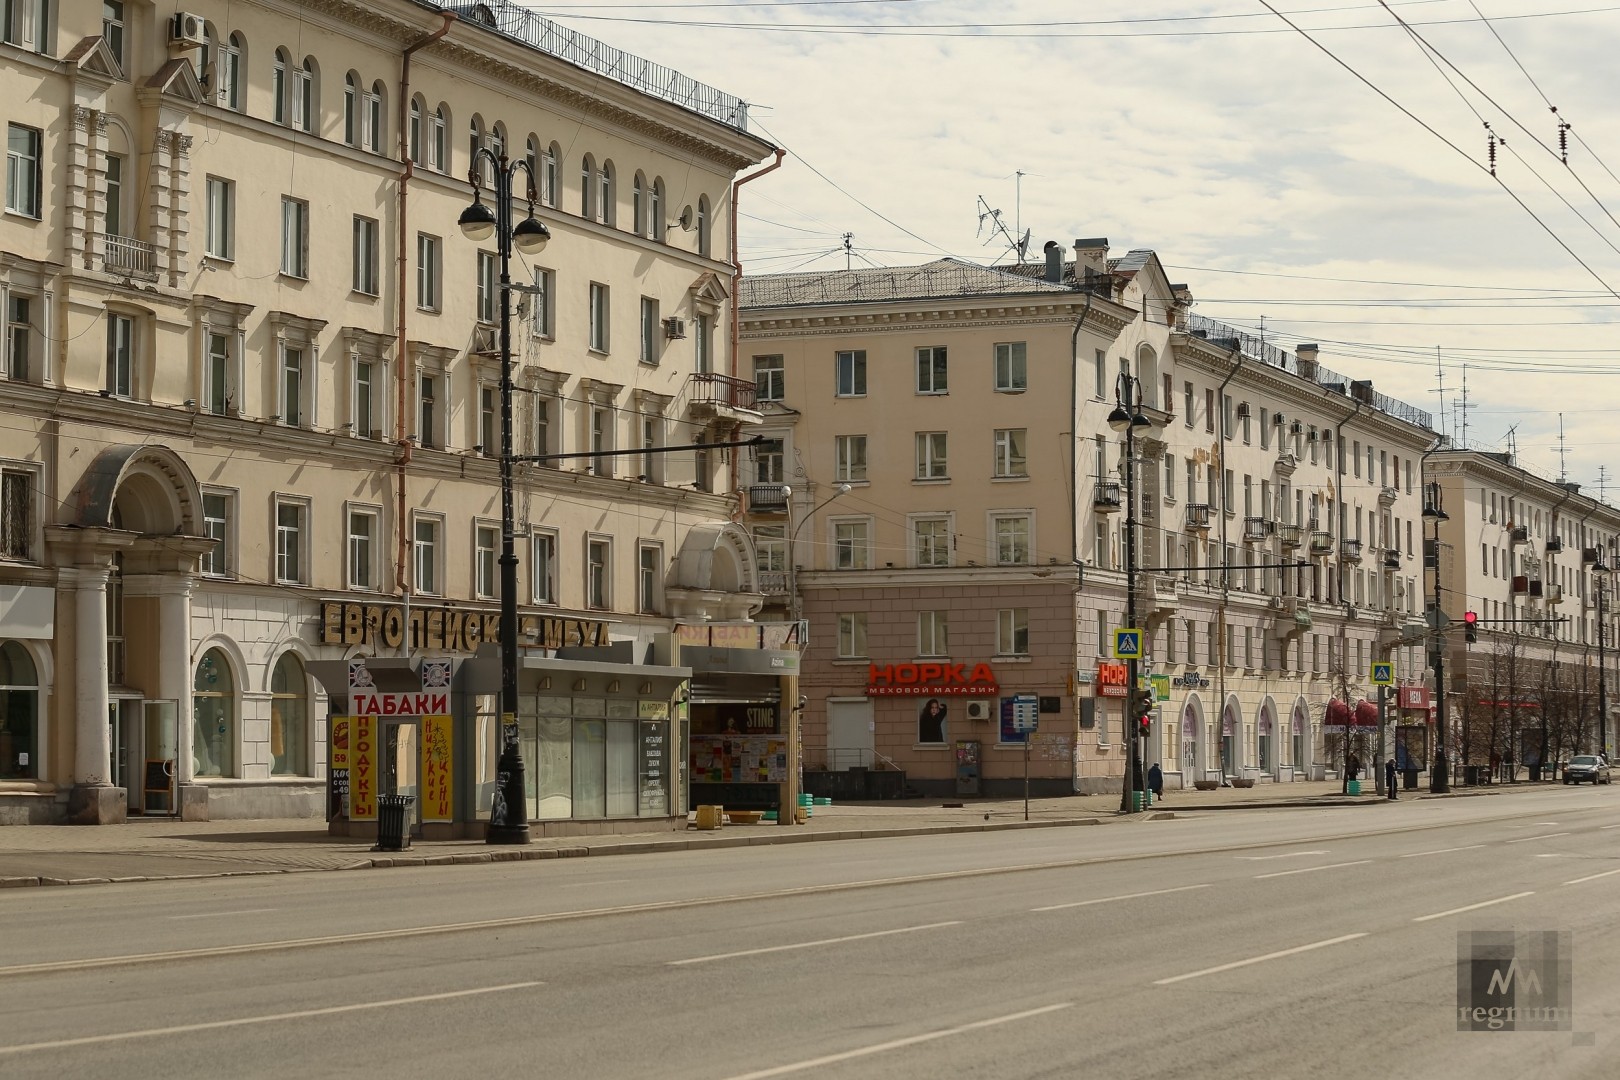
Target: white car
1591	767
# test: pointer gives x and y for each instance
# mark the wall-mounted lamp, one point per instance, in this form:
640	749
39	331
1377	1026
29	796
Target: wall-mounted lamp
579	684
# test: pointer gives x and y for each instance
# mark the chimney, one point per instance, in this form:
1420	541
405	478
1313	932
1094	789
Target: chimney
1305	358
1362	391
1054	262
1090	258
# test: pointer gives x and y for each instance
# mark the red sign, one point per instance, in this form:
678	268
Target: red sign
429	703
1413	697
1113	680
943	679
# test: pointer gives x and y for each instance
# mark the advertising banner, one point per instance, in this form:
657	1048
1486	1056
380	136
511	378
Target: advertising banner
363	770
438	769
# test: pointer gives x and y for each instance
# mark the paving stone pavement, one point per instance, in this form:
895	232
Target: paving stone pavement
161	848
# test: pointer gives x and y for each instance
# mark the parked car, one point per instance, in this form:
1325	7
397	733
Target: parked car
1591	767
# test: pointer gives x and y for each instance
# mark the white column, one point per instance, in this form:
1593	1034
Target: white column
92	741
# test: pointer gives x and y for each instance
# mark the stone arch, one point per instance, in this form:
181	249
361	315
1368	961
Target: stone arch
151	487
1299	737
714	575
274	655
1266	727
1232	729
1146	370
1191	744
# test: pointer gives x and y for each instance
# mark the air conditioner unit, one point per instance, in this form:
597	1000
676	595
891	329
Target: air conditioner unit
186	28
1313	436
1297	428
376	434
1243	410
674	328
978	709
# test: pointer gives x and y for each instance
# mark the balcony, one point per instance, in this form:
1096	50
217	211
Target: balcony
1350	550
1555	594
1555	544
775	582
1321	543
1105	499
768	498
1392	559
1198	515
1521	585
712	396
128	258
1387	497
1256	529
1518	534
1535	590
1290	536
1286	464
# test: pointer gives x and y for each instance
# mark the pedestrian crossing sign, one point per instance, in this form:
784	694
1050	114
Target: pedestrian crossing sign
1383	674
1127	644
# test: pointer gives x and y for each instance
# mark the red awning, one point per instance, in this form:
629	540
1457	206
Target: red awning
1339	714
1366	715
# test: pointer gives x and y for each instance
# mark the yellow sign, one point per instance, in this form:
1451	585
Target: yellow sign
338	758
653	710
363	770
438	770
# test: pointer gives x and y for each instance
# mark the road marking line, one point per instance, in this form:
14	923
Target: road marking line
1285	855
1127	896
810	944
225	914
1549	823
214	1025
1441	851
895	1044
1473	907
1312	869
1527	839
588	884
1258	959
1592	877
1602	827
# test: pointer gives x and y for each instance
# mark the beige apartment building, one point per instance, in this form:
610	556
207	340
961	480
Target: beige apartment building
1533	559
252	389
977	553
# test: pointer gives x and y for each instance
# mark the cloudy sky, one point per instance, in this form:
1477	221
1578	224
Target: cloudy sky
1329	182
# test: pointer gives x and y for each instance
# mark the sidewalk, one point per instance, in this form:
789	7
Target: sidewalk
162	848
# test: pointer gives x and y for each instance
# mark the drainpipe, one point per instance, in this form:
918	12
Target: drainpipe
736	287
402	380
1074	439
1220	612
1344	621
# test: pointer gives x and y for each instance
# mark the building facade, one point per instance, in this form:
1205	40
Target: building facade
252	374
967	409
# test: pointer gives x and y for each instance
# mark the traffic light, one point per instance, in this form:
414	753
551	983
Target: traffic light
1471	626
1142	711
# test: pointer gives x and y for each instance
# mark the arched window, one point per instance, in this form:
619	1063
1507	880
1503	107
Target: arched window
703	225
19	714
376	129
351	109
475	140
497	140
278	86
232	62
213	716
607	204
587	187
413	144
551	177
638	195
289	718
655	208
531	155
440	140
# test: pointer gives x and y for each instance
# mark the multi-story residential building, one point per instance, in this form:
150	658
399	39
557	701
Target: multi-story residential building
978	553
1533	559
252	388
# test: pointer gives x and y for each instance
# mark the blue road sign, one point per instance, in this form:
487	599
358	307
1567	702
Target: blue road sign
1127	644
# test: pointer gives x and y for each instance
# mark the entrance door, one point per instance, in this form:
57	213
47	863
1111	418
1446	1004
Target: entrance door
160	747
849	735
398	775
128	749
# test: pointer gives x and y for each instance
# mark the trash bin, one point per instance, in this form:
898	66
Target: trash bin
1354	787
1471	775
392	832
1411	779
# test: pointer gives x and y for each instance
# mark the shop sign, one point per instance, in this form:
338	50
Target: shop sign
1190	681
363	772
769	635
438	760
426	703
652	710
1113	680
931	680
1413	697
447	629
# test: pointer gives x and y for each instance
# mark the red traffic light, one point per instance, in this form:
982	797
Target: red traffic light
1470	617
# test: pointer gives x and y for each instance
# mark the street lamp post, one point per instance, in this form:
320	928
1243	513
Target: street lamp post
1600	587
1128	419
509	813
793	570
1438	771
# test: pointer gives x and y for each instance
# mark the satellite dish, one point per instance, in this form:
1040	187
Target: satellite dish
686	217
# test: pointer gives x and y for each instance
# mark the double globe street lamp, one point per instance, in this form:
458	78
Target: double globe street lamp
1128	419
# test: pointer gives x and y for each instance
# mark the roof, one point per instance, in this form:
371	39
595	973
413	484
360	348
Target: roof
942	279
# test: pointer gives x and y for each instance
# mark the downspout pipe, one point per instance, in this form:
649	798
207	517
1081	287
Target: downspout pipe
1220	485
402	380
736	285
1074	439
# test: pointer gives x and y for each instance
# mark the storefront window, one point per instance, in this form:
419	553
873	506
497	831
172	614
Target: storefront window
590	769
213	714
553	765
593	757
19	714
621	767
289	718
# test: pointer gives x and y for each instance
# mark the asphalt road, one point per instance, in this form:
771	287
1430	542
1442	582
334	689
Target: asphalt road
1317	943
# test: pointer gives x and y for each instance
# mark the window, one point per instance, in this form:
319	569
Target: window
366	416
770	548
292	519
25	24
294	237
289	717
649	330
362	549
220	375
769	378
543	568
851	635
413	131
770	462
931	541
652	437
217	560
703	223
931	455
852	545
931	370
213	716
366	256
114	168
1100	369
1012	632
649	560
292	86
112	30
599	317
545	433
852	373
220	222
19	704
487	287
550	179
372	118
1011	536
638	199
425	533
933	638
542	310
439	138
606	203
1009	448
1012	368
485	540
16	515
427	415
294	387
703	342
1209	408
850	454
1187	403
19	336
488	437
351	109
22	170
427	272
598	576
120	355
601	439
587	188
655	208
227	73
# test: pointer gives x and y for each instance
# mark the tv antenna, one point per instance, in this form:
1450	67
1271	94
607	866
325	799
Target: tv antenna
1017	246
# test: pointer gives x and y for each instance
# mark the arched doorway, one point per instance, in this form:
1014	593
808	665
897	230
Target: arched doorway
19	714
1266	756
1299	728
1232	737
1192	743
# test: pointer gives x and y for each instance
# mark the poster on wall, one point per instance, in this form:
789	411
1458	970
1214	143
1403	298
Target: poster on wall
339	730
1009	726
363	770
438	801
738	760
654	783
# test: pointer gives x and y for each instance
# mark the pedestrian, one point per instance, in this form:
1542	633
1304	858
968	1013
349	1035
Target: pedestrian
1156	780
1389	777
